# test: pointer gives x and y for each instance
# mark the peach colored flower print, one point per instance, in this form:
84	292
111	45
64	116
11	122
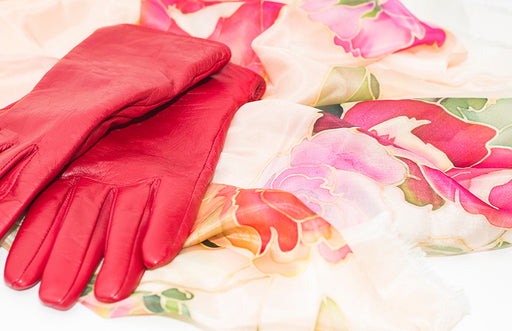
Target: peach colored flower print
277	228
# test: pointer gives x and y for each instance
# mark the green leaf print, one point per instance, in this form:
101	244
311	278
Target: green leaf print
330	317
184	310
374	12
88	289
168	301
369	89
460	106
440	250
348	84
352	3
172	306
174	293
336	110
494	113
90	286
152	303
501	244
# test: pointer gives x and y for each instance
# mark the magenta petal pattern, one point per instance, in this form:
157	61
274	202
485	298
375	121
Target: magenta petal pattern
372	29
340	175
460	159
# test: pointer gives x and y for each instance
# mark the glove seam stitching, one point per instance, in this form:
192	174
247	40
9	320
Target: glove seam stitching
67	294
142	220
63	209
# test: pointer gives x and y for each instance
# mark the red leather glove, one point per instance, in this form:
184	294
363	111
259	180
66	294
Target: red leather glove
132	197
116	74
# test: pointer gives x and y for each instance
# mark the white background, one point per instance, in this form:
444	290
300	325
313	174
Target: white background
485	277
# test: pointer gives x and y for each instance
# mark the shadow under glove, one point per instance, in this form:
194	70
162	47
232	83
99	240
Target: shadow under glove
132	198
116	74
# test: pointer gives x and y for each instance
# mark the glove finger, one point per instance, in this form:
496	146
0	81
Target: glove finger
78	248
34	241
173	213
122	266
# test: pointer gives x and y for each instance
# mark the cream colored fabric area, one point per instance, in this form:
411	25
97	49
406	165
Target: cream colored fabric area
34	34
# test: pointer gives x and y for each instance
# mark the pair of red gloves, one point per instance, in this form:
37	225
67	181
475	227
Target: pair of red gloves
132	197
